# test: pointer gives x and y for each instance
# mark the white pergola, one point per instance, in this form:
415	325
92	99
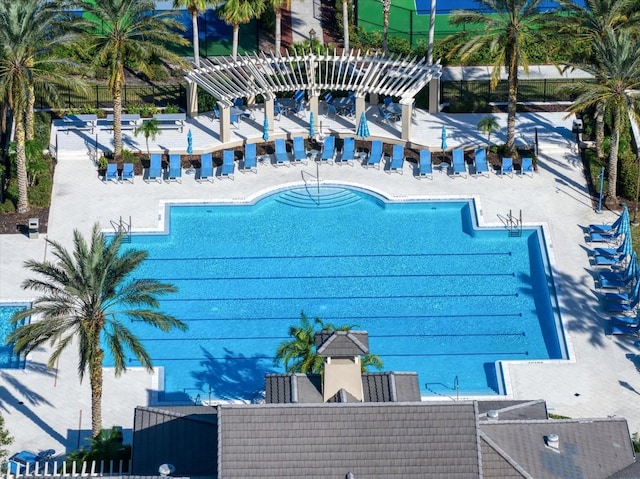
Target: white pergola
226	79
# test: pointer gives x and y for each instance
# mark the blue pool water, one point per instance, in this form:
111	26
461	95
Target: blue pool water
435	294
9	360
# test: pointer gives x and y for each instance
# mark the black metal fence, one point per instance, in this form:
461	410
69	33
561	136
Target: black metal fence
480	91
99	96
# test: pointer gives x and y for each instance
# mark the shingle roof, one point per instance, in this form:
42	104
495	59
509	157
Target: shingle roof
376	387
591	448
376	441
630	472
342	343
514	409
494	465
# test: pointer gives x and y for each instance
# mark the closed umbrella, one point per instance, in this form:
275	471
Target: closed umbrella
265	129
189	143
363	127
312	125
443	145
625	226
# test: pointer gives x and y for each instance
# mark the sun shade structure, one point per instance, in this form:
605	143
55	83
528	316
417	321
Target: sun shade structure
267	74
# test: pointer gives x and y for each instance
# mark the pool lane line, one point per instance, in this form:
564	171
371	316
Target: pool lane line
348	276
284	338
325	298
354	318
333	256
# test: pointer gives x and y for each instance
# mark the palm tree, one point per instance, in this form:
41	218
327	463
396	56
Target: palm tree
31	36
86	294
195	7
618	72
277	6
299	354
122	31
236	12
587	23
386	6
487	125
507	30
345	24
149	129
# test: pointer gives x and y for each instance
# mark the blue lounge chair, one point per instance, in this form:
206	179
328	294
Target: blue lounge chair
609	237
348	151
282	157
328	150
111	173
606	229
331	111
299	151
625	296
426	167
384	115
507	167
127	172
228	164
527	167
622	306
298	96
175	168
206	168
155	168
609	260
480	162
619	279
277	111
612	254
397	159
618	329
328	97
459	167
250	162
375	155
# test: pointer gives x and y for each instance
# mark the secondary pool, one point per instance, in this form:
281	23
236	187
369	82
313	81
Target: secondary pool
9	360
436	294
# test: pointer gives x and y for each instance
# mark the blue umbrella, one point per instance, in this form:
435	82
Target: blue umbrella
265	129
363	127
312	126
625	227
189	143
443	146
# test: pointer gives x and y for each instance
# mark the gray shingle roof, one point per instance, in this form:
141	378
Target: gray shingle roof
630	472
494	465
514	409
591	448
373	441
377	387
342	343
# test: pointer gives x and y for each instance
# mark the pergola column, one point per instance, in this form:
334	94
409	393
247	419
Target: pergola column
192	99
225	122
360	107
268	111
407	112
434	96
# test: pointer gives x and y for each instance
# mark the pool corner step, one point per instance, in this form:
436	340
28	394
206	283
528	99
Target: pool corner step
323	197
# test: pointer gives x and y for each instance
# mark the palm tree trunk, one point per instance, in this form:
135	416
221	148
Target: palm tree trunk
278	29
386	5
95	373
612	190
234	51
512	106
21	161
117	113
345	23
30	120
196	40
599	117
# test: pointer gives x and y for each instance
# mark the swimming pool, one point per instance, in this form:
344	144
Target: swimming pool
9	360
436	294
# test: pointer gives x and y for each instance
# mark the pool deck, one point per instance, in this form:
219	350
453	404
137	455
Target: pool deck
46	409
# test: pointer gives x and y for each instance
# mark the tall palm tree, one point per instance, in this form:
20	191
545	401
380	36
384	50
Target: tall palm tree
299	353
617	70
195	8
588	22
507	30
277	6
345	24
86	295
32	34
128	31
386	7
237	12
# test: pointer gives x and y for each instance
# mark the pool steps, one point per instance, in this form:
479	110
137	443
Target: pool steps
323	197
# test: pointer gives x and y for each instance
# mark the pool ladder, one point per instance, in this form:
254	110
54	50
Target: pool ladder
512	223
122	226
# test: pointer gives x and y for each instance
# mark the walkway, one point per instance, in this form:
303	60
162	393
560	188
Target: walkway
45	409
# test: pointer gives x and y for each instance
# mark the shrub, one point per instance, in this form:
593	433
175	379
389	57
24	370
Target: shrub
172	109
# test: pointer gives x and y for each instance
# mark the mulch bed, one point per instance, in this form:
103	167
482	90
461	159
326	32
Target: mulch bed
15	223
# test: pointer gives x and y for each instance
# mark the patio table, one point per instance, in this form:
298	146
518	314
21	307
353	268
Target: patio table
343	105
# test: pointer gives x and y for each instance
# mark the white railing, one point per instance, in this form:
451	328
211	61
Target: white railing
13	470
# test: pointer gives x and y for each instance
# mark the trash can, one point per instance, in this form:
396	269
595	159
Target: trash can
34	226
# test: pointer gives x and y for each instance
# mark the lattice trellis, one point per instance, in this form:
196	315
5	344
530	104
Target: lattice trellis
266	74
